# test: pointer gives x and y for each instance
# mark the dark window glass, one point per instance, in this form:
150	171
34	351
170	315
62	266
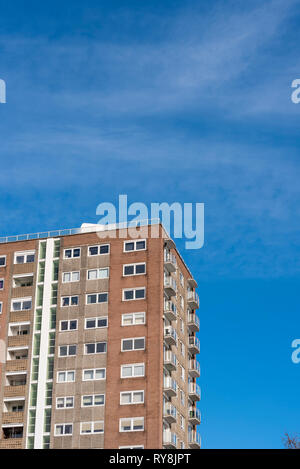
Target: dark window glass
104	249
90	348
74	300
140	269
102	322
72	350
129	270
139	344
20	260
2	260
68	429
73	325
101	347
92	299
93	251
27	305
68	253
90	323
127	344
102	298
63	351
140	293
66	301
140	245
129	295
1	284
30	258
129	247
64	325
76	253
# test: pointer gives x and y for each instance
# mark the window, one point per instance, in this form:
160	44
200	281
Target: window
63	429
71	277
1	283
95	298
182	349
133	319
69	300
91	427
181	278
182	422
134	370
96	323
71	253
93	400
65	376
2	261
98	347
65	402
132	397
134	294
182	398
94	374
133	344
139	245
67	350
1	305
135	424
134	269
70	325
25	257
21	304
95	274
98	250
181	302
182	373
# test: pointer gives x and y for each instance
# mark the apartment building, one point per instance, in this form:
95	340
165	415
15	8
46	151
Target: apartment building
101	343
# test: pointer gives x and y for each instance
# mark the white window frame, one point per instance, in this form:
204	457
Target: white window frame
70	305
93	404
95	319
66	372
131	422
135	241
64	425
2	280
133	365
97	302
68	347
71	274
94	373
132	393
3	257
93	425
98	270
134	294
99	253
1	307
25	254
20	300
95	343
72	251
68	321
134	269
133	315
133	341
65	398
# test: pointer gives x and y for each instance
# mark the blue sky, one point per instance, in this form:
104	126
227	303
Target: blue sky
183	101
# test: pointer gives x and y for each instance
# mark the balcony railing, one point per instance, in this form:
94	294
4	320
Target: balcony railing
16	365
195	416
11	443
193	299
194	368
193	322
170	386
170	285
194	392
170	310
169	439
194	345
170	335
194	440
14	391
20	316
170	261
170	360
170	413
18	340
12	417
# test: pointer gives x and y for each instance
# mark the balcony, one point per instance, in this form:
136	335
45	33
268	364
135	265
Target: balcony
170	286
194	392
14	391
169	439
170	386
194	417
18	340
194	440
170	261
192	282
194	368
20	316
170	335
170	413
193	322
11	443
16	365
193	299
170	310
12	417
170	360
194	345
